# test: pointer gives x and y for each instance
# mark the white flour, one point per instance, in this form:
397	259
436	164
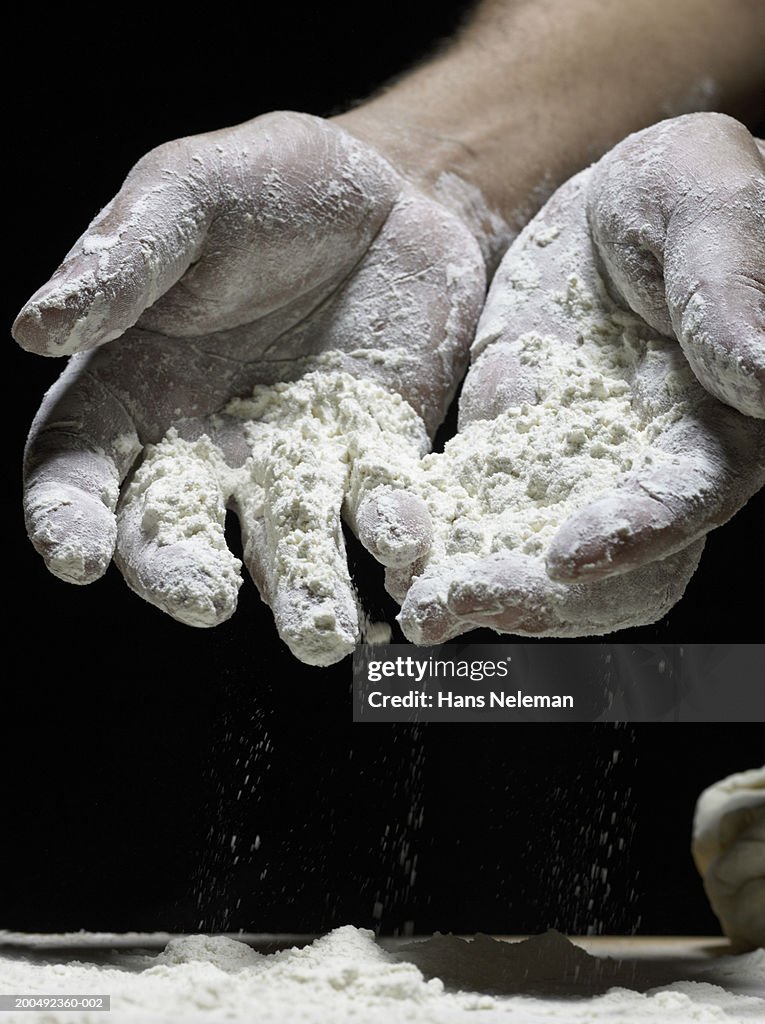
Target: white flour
569	398
312	441
346	976
308	443
505	485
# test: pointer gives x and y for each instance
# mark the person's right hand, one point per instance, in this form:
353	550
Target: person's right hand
247	256
729	851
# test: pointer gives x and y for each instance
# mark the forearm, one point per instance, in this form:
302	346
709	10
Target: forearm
533	90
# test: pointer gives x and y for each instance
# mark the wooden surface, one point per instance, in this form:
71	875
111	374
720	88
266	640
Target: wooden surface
631	946
640	946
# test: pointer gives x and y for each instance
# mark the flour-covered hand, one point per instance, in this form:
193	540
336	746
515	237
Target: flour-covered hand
594	452
245	257
677	216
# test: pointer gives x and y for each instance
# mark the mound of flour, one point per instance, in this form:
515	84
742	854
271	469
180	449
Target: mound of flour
591	395
507	484
347	977
285	458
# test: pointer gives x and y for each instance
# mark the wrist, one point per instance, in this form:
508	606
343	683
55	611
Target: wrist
531	92
439	164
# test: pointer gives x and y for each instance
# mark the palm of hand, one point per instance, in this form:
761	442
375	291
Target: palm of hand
590	461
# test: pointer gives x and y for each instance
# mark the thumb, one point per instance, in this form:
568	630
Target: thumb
714	273
677	216
134	251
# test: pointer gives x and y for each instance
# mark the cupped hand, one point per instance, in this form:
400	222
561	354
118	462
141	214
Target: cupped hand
729	851
614	410
241	258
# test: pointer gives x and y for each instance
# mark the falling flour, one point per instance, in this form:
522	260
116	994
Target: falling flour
347	976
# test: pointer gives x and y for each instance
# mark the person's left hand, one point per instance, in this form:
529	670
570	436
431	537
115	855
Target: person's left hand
635	299
249	256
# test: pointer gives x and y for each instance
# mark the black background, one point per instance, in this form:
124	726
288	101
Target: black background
134	748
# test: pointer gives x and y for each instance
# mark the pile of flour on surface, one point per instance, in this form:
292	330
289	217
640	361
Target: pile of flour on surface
346	976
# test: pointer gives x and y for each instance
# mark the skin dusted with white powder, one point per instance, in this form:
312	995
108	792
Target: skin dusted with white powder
174	506
590	461
312	443
302	447
504	486
227	268
589	466
509	483
551	422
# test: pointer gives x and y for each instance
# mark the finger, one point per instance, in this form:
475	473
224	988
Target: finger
425	617
398	579
295	552
512	593
134	251
80	447
381	506
678	218
394	526
390	520
297	204
171	547
701	475
717	299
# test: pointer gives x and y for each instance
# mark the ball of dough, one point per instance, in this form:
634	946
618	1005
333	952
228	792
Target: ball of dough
729	851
